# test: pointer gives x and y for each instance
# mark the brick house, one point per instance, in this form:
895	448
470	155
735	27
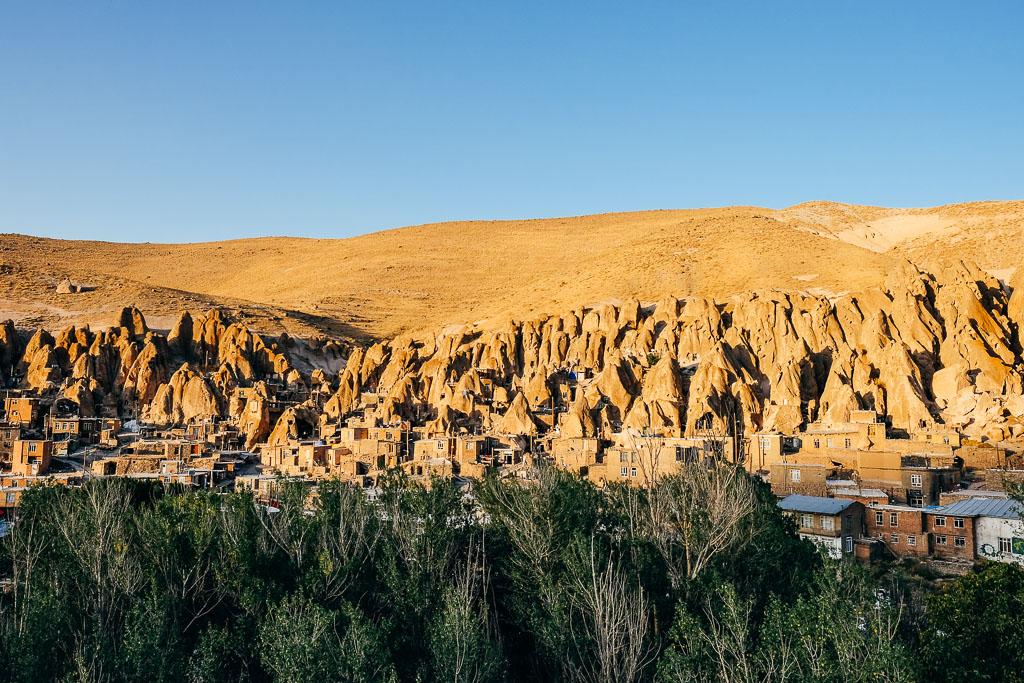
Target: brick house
952	531
900	527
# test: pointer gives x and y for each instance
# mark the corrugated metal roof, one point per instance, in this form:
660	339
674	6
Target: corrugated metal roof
822	506
981	507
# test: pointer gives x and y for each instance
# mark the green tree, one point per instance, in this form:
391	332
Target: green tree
977	627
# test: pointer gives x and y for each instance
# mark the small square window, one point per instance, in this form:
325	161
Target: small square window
940	540
958	522
911	540
794	475
1004	544
894	539
828	524
828	442
940	521
632	471
807	521
817	443
959	541
915	480
623	457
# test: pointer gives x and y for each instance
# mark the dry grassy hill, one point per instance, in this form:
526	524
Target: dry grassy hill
430	275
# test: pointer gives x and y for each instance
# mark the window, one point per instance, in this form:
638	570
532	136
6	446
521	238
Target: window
828	524
623	457
940	521
846	443
794	475
632	471
10	499
766	444
879	518
894	519
623	471
1004	543
679	453
911	540
945	440
849	544
894	538
807	521
958	522
828	442
940	540
960	541
915	480
847	523
440	444
817	443
32	447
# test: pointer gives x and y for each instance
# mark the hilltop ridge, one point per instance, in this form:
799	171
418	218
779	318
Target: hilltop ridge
422	277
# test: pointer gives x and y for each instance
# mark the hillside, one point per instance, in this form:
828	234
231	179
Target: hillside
427	276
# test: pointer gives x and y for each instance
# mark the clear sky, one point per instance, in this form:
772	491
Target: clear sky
188	121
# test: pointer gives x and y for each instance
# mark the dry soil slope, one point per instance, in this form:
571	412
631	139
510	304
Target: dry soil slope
430	275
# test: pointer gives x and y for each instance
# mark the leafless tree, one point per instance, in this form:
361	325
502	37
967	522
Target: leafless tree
456	640
343	545
699	512
728	639
525	509
24	547
97	525
615	623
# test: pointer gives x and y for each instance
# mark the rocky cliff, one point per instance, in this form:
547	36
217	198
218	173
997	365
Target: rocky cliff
927	348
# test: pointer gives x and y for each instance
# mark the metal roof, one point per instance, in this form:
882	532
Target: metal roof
981	507
822	506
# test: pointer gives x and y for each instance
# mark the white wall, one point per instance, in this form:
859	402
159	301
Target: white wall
988	531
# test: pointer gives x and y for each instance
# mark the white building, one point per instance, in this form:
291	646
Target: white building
999	530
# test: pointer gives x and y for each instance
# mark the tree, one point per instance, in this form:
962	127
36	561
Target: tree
975	631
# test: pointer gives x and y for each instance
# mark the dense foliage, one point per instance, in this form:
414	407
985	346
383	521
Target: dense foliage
699	579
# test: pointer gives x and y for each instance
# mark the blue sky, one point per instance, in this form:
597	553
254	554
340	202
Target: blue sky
190	121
